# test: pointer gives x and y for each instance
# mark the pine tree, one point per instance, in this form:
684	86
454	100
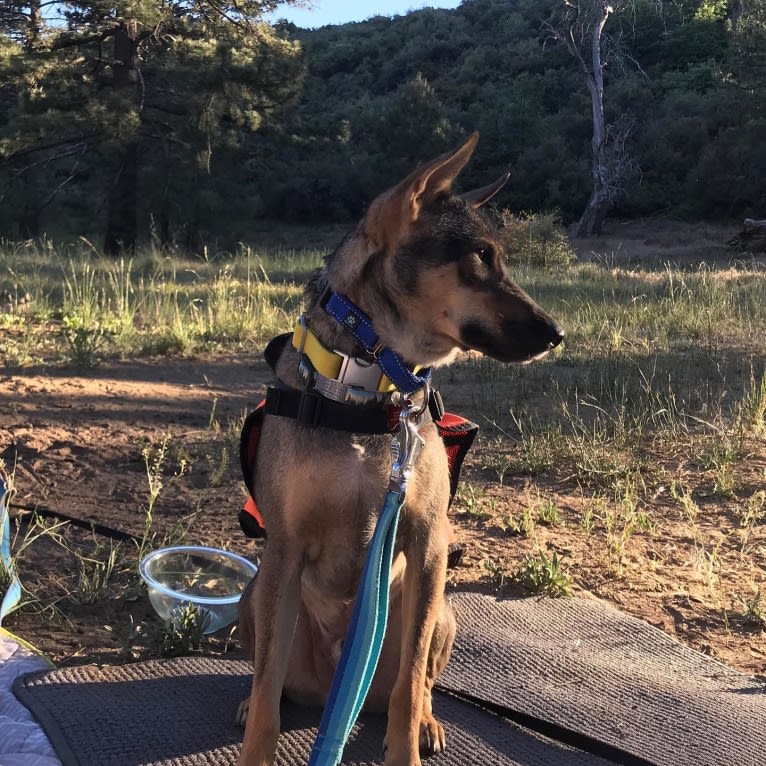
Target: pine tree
116	91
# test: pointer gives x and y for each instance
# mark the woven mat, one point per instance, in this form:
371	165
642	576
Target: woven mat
577	663
588	667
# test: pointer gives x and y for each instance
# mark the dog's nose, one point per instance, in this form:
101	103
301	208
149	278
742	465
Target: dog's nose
556	336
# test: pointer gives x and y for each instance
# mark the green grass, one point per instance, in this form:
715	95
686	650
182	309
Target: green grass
652	411
84	307
657	357
654	357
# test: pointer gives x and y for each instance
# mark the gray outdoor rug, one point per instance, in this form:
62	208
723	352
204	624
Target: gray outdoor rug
582	678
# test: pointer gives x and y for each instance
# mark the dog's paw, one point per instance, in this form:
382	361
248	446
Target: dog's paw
432	739
241	716
402	759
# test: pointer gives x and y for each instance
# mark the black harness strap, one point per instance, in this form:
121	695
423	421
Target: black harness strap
312	409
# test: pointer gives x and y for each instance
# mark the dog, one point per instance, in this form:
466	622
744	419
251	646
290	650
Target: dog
424	265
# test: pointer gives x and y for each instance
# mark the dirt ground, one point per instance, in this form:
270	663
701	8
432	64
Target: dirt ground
77	444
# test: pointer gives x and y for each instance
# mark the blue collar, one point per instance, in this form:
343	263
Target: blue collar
353	319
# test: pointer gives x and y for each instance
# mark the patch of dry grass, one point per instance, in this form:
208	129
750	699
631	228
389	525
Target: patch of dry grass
635	454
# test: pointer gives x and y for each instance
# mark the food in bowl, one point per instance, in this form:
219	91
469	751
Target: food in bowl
210	578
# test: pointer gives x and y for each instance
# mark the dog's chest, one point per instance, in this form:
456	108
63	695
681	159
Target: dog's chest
328	494
329	587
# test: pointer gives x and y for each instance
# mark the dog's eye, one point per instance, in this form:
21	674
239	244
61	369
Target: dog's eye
486	255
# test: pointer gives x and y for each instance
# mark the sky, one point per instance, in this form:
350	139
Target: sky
340	11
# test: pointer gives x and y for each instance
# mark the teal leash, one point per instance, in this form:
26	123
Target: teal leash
367	629
13	591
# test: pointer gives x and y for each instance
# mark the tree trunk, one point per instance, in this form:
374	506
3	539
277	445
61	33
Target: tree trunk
29	222
121	228
591	222
35	22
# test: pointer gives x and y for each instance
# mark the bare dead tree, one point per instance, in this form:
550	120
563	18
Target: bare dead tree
581	29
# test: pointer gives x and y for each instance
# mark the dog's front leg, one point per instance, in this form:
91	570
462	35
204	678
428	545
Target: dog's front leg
276	597
411	725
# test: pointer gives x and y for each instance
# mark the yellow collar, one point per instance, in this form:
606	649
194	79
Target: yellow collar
335	365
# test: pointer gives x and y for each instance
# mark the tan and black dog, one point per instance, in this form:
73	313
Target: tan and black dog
426	268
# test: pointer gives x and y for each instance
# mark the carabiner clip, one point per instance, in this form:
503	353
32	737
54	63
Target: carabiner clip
407	442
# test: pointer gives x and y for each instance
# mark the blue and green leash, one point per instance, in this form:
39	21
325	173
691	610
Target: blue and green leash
13	588
367	629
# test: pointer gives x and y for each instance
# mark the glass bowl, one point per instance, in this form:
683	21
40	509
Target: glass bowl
210	578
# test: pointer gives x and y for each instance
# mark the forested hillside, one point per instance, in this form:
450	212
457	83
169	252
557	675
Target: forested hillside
188	121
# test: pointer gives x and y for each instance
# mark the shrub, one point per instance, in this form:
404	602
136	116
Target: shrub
544	576
535	239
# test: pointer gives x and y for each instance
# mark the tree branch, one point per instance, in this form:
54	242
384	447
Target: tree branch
78	149
76	140
65	41
69	178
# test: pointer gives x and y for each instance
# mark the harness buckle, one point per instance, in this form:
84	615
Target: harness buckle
358	373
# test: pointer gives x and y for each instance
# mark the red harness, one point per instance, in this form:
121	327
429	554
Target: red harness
456	432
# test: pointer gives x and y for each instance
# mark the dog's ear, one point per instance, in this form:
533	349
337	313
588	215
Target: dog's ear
437	176
478	197
394	211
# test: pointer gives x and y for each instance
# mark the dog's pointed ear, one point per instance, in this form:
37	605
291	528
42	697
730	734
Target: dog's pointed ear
437	176
394	211
478	197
